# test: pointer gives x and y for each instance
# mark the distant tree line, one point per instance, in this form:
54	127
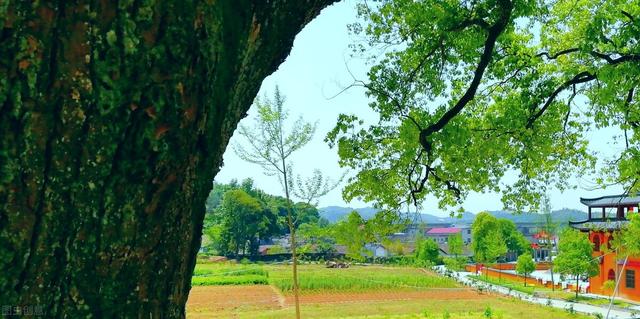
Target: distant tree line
239	215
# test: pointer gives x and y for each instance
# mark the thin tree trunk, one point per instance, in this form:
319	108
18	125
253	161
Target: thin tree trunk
294	258
553	284
113	120
553	244
292	232
577	286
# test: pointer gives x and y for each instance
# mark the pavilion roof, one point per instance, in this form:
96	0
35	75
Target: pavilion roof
611	201
599	224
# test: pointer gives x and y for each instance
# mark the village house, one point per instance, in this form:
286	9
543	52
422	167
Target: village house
441	234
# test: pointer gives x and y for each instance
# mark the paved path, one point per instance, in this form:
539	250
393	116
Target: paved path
464	278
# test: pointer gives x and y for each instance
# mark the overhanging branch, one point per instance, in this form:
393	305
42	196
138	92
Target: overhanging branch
581	77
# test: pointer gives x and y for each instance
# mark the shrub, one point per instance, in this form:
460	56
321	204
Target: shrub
455	264
488	313
609	285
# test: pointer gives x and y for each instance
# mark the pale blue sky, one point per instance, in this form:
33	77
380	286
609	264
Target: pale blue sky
316	70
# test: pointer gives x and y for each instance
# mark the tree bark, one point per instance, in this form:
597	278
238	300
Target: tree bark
114	116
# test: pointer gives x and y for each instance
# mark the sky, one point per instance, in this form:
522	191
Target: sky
317	69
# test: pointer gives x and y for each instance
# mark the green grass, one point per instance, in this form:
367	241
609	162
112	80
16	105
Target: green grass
548	293
229	274
356	278
229	280
517	286
598	301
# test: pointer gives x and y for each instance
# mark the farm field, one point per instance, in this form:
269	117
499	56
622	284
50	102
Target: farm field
356	292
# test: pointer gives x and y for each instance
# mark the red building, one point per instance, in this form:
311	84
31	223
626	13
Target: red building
606	215
543	245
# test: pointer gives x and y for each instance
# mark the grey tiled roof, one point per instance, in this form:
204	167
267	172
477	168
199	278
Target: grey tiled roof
611	201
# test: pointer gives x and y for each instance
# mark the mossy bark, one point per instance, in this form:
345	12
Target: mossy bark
114	116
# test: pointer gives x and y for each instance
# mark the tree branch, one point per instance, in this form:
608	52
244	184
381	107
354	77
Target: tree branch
596	54
626	14
555	56
469	22
494	31
627	102
581	77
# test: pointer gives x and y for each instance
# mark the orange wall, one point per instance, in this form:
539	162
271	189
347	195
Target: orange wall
609	262
518	278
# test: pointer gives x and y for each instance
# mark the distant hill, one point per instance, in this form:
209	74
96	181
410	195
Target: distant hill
562	216
336	213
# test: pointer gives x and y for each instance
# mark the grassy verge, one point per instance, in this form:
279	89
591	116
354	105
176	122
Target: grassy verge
545	292
517	286
599	301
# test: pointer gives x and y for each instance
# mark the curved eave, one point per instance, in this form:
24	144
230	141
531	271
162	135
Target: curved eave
611	201
588	225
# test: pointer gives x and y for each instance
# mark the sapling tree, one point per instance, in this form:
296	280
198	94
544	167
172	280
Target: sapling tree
310	189
525	266
270	144
455	243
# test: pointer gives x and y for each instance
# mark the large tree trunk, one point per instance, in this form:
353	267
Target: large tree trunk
114	116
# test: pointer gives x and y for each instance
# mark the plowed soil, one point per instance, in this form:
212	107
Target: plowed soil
230	298
226	298
388	295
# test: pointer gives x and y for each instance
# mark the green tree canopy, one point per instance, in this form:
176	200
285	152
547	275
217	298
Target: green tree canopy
513	238
351	232
487	241
630	236
302	212
427	250
383	224
316	237
242	222
574	255
455	243
468	91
